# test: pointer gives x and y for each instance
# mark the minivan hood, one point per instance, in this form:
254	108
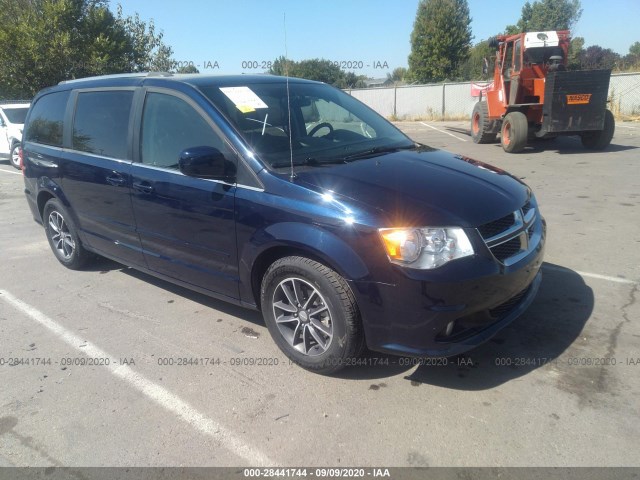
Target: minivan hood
422	187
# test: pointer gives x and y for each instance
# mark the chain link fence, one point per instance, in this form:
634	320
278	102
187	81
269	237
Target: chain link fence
454	101
624	95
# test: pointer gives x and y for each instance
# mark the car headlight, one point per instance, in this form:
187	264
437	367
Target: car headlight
425	248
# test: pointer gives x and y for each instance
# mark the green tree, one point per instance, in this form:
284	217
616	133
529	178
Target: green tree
472	69
43	42
576	50
398	75
544	15
351	80
317	69
631	61
440	40
281	66
596	57
320	70
147	52
188	69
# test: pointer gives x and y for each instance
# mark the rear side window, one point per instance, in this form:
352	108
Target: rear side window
169	126
16	115
46	119
101	122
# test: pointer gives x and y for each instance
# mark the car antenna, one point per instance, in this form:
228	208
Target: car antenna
286	73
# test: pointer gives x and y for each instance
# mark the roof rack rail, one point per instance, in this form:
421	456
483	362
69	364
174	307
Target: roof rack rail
9	102
118	75
159	74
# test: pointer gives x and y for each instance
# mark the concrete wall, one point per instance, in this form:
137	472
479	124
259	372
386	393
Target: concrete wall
454	100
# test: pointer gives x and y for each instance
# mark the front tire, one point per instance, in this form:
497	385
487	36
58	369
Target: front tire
311	314
515	129
63	237
600	139
14	155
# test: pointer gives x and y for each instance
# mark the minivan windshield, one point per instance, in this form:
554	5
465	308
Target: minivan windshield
16	115
325	125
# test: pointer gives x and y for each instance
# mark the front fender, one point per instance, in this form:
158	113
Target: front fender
319	242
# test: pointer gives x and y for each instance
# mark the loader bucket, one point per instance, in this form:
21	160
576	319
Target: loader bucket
575	101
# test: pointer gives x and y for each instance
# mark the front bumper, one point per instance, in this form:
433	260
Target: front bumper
448	312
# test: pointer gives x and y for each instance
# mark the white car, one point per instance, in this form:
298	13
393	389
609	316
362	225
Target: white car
12	115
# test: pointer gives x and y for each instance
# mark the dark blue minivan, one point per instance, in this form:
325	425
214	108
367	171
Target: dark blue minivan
288	196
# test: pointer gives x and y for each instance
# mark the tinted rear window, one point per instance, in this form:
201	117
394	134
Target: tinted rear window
16	115
101	122
46	119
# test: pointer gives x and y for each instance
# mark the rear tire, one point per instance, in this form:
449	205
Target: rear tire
14	155
600	139
63	237
515	129
481	127
311	314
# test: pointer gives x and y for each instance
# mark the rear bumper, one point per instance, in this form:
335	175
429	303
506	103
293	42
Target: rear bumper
443	316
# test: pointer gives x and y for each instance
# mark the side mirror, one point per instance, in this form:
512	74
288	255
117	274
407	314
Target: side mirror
206	162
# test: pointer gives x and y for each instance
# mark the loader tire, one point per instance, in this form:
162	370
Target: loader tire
515	129
600	139
481	127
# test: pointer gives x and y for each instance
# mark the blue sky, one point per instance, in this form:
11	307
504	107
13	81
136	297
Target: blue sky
372	33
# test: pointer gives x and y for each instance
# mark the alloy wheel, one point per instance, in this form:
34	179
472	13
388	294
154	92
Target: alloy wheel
302	316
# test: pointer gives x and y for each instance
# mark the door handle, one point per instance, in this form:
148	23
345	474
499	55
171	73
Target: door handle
116	180
143	187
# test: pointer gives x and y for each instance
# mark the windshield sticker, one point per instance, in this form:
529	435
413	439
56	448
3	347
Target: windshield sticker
244	98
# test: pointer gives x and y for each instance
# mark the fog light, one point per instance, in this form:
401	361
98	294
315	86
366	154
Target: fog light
449	328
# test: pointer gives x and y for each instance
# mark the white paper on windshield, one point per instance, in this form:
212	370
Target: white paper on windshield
244	98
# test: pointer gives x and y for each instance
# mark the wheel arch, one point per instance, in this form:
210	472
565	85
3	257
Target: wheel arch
43	197
47	192
516	108
292	239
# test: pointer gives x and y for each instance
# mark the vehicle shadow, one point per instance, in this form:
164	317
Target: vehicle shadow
252	316
103	265
563	145
551	324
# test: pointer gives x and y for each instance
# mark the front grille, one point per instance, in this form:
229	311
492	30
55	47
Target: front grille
507	249
504	308
510	235
491	229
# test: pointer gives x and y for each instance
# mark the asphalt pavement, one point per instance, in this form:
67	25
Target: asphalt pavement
104	372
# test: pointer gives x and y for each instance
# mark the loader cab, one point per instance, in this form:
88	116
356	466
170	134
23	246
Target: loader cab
511	66
524	61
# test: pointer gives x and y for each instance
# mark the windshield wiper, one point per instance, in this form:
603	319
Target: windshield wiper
319	161
307	161
376	151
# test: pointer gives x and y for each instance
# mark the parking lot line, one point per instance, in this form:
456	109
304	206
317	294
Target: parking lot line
595	275
442	131
152	391
9	171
